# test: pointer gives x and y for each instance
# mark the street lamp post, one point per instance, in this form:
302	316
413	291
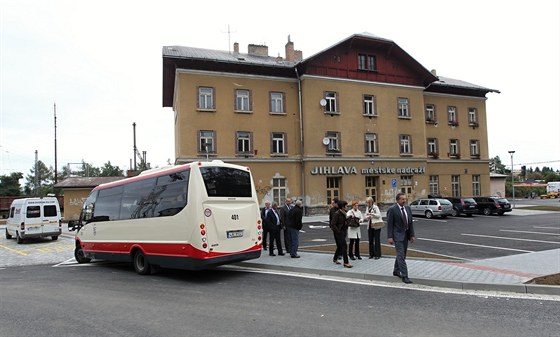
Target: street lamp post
512	186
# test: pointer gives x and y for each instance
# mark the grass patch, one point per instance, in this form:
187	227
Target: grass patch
551	280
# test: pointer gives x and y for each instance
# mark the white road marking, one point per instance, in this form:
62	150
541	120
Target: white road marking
528	232
475	245
506	238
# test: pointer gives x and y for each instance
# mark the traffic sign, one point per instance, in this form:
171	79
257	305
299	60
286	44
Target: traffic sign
394	183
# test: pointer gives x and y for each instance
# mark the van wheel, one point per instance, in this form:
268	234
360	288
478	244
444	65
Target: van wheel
8	236
80	256
454	212
19	240
54	237
429	214
487	211
140	262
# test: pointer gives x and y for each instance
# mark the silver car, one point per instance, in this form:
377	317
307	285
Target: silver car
432	207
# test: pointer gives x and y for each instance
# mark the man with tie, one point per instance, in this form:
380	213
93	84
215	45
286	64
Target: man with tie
285	220
273	220
400	231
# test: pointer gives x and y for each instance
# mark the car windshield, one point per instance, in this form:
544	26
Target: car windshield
445	202
501	200
471	200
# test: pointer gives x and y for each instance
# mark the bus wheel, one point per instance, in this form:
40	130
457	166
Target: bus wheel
79	256
19	240
8	236
140	262
54	237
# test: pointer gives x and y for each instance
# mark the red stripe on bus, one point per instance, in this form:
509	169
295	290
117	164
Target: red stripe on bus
160	249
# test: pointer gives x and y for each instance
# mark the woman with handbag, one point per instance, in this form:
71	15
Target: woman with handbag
375	223
354	217
339	228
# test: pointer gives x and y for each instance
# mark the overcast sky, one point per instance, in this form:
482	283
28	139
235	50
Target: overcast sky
101	63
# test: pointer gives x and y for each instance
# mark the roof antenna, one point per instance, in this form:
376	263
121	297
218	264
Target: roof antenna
229	38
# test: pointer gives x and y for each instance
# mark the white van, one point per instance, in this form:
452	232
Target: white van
34	218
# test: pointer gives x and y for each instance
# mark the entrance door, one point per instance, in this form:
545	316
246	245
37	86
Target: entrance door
333	188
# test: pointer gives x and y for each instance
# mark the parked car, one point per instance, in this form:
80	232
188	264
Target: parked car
492	205
467	206
431	207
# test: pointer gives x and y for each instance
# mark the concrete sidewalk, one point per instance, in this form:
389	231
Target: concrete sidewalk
508	273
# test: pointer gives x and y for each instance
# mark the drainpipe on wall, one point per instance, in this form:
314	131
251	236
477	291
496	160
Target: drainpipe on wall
301	147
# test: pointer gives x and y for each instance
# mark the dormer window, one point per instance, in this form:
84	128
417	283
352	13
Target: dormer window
367	62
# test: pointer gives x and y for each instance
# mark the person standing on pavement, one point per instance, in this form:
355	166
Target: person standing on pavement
285	219
375	223
332	212
400	231
264	211
295	224
354	233
339	228
274	223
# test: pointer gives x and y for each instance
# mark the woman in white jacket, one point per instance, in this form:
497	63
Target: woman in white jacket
375	223
354	233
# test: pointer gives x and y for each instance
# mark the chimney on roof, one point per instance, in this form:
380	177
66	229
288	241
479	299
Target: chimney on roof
236	47
434	72
291	54
258	50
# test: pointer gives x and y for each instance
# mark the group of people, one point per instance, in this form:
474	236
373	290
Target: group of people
346	224
287	219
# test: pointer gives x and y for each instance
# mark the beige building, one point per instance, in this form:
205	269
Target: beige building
360	118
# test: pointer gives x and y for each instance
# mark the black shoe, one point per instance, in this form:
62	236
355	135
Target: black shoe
396	274
406	280
352	258
295	256
371	257
281	254
264	248
272	254
359	257
377	257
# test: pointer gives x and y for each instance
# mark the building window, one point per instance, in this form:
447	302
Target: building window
369	105
402	107
371	187
334	142
406	185
278	143
277	102
242	100
331	106
455	186
279	190
243	142
432	148
454	149
367	62
476	185
475	148
434	185
371	146
206	98
452	116
473	117
206	141
333	188
431	117
405	142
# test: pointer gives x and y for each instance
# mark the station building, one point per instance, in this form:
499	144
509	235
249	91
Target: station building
360	118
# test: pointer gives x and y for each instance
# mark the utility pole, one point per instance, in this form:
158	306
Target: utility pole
55	156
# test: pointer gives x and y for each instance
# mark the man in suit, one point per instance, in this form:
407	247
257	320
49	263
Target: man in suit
399	232
264	212
273	221
294	226
284	211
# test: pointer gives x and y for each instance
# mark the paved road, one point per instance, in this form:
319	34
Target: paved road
112	300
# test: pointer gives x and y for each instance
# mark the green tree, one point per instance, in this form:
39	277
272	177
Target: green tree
9	185
109	170
40	180
496	166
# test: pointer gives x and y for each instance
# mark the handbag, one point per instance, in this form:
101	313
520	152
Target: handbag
352	221
377	225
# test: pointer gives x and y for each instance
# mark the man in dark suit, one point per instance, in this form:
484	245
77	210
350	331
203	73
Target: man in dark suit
284	211
400	231
273	221
295	224
264	212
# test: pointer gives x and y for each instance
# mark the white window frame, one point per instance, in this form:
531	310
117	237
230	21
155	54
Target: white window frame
432	145
452	115
243	143
334	141
369	105
474	147
431	113
331	106
455	186
371	143
454	147
243	100
278	143
206	137
206	98
434	185
473	116
405	144
476	185
403	107
277	102
279	190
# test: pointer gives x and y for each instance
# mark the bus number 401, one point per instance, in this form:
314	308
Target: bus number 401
234	217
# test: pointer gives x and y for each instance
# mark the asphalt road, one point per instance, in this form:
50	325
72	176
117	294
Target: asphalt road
112	300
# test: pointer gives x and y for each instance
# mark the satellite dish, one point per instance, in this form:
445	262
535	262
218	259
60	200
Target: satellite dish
326	141
323	102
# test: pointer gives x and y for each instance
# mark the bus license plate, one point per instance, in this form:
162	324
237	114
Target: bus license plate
234	234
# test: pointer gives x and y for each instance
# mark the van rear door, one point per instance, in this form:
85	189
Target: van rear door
50	218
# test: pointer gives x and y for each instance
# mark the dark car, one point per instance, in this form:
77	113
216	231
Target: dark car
492	205
467	206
